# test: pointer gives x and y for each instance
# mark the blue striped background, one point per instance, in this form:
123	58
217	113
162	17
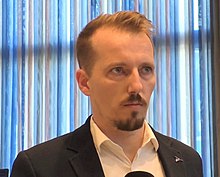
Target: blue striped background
40	99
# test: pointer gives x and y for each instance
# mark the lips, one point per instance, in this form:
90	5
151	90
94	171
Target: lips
134	104
134	100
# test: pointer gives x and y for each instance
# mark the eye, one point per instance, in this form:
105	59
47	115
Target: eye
117	73
117	70
146	70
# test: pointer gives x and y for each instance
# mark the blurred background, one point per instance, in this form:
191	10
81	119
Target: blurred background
39	98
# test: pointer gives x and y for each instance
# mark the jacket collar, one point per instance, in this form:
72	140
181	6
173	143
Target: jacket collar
81	143
85	155
170	157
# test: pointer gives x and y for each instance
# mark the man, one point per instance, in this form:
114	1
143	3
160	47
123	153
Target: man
117	71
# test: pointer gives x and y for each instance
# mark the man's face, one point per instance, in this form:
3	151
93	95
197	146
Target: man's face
122	79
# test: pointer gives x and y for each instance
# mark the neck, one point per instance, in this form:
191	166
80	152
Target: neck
129	141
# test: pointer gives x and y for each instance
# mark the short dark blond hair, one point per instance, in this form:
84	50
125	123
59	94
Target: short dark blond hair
128	21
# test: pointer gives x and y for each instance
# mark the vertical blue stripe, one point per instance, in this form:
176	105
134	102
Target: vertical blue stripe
117	5
95	8
4	59
72	64
141	6
177	42
54	68
126	4
14	123
15	12
173	69
84	6
7	77
196	91
204	132
36	58
62	57
113	5
163	68
23	77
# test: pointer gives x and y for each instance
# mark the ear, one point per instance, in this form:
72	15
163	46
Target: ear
82	80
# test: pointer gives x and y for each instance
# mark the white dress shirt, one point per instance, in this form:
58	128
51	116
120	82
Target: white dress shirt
116	163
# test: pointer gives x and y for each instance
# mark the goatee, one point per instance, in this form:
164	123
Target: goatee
132	123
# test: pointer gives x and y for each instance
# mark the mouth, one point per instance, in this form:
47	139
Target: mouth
135	101
134	105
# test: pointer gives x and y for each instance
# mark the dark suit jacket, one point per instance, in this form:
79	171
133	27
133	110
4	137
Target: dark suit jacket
74	155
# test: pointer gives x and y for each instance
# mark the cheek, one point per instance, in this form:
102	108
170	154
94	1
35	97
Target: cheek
102	99
108	94
101	91
149	87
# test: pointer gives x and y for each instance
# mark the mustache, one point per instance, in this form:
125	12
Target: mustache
135	98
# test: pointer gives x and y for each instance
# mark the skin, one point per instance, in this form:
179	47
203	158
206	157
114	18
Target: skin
122	74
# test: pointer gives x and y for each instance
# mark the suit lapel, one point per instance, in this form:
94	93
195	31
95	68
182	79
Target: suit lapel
170	157
86	157
85	160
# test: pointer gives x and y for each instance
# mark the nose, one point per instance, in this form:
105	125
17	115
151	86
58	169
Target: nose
134	83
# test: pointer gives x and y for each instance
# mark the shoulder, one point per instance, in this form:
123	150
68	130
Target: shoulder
52	144
42	158
63	142
47	158
172	150
186	150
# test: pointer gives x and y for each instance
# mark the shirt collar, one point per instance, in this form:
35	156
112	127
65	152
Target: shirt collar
99	137
149	136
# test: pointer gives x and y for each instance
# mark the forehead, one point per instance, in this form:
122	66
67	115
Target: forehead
108	42
112	34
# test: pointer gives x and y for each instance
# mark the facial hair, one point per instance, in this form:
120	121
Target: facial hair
135	121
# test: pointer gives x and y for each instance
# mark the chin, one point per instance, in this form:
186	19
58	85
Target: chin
130	124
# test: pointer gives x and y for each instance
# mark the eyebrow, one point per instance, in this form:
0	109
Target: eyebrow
119	63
